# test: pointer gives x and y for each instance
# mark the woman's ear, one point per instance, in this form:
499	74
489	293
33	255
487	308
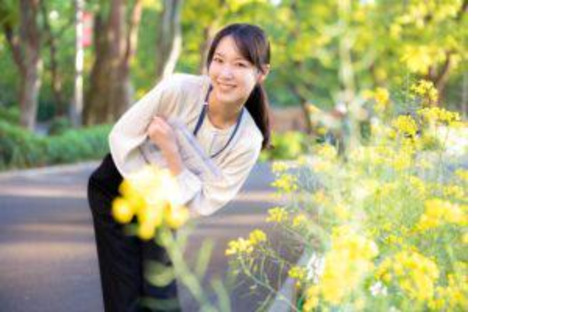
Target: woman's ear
262	75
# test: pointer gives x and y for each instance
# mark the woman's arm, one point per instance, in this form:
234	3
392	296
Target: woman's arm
207	196
163	136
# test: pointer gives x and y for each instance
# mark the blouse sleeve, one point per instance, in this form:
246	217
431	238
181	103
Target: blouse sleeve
206	197
130	131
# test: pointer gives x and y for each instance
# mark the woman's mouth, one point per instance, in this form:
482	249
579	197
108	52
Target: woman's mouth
226	87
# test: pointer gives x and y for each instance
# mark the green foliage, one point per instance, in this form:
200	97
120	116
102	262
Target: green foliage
21	149
10	115
59	125
288	145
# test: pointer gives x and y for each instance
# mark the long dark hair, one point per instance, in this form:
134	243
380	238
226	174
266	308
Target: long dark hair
252	43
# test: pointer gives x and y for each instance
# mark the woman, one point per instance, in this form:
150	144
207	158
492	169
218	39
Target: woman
227	111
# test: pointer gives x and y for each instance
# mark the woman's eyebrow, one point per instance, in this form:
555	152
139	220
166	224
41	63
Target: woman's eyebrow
236	58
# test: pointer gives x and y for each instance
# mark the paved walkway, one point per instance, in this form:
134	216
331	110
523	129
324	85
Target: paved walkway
48	258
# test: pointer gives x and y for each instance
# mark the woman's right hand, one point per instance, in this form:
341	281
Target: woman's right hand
162	134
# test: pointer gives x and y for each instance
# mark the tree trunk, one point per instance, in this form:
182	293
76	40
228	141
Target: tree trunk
76	107
110	89
56	79
169	40
25	48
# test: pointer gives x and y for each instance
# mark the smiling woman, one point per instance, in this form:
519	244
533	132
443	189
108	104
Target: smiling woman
236	129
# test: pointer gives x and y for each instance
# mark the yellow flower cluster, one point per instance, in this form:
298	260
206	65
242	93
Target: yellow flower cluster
151	194
437	114
298	273
346	264
277	214
462	174
381	97
246	246
453	296
419	58
285	183
326	151
438	212
454	191
406	124
414	273
298	220
279	167
426	89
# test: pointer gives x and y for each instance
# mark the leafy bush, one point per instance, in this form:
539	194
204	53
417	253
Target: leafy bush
22	149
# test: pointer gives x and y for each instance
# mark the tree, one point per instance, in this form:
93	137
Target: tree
169	38
116	41
24	37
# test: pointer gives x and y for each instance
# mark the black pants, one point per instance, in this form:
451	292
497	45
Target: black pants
122	257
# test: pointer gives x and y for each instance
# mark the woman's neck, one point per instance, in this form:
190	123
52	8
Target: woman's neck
222	115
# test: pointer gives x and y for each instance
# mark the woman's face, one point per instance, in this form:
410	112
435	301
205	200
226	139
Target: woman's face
233	77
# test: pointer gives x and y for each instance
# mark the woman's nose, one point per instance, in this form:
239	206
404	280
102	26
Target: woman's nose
227	71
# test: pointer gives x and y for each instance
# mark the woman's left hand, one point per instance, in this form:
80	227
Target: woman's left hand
162	135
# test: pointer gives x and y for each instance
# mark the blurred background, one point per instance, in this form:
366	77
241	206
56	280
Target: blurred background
71	68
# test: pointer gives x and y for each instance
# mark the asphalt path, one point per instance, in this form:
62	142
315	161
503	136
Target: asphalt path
48	259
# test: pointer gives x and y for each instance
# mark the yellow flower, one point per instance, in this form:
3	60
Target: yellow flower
368	94
381	98
146	231
152	194
461	174
426	89
326	151
176	217
415	274
298	220
439	115
297	272
239	246
406	124
346	264
277	214
279	166
312	298
285	183
438	212
122	211
257	236
454	191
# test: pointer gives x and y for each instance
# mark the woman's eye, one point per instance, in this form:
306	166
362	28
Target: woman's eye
217	60
241	65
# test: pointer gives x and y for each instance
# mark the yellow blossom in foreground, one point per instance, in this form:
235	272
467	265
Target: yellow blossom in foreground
122	210
414	273
461	174
312	298
152	195
277	214
452	297
176	217
346	264
454	191
438	212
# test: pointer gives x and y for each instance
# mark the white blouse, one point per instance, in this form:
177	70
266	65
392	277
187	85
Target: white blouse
182	96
